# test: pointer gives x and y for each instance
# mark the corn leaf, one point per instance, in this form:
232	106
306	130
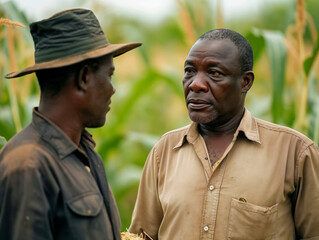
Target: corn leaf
313	109
277	53
308	63
2	141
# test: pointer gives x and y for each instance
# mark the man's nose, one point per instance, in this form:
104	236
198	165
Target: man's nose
199	83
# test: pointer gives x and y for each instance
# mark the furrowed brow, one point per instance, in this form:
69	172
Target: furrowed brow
188	62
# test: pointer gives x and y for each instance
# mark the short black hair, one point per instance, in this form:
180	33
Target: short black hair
245	50
52	81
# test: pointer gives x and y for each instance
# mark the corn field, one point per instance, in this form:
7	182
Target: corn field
149	99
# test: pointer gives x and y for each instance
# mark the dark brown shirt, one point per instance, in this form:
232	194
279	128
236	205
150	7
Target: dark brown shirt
52	189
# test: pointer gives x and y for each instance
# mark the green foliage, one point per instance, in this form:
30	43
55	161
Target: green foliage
2	141
276	51
309	62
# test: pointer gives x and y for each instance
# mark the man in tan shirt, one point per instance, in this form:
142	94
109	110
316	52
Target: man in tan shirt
227	175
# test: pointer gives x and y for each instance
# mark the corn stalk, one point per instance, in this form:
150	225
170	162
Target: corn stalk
11	39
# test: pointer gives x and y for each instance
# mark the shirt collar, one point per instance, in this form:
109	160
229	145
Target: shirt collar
248	126
190	135
56	137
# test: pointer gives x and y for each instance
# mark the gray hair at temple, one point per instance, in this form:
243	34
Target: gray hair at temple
245	50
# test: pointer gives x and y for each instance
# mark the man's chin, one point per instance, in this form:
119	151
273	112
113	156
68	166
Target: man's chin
201	117
96	124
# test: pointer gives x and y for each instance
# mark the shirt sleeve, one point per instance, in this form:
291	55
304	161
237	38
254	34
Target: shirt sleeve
24	208
148	213
306	214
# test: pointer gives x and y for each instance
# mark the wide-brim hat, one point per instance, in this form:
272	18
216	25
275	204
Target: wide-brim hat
67	38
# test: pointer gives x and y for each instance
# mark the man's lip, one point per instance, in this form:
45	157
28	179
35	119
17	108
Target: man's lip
197	100
108	107
198	104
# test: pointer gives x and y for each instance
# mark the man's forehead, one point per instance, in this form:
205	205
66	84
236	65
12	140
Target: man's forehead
204	44
212	48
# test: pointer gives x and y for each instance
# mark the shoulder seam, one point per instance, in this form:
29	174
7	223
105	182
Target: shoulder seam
175	130
285	129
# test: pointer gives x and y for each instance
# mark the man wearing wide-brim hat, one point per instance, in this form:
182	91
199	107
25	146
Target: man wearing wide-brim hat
52	182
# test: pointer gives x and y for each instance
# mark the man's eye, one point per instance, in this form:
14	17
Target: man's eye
186	70
189	70
215	73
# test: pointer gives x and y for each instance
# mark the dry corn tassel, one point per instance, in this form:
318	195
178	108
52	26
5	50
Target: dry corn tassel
5	21
130	236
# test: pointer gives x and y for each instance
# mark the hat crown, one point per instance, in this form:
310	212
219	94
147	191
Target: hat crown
67	38
67	34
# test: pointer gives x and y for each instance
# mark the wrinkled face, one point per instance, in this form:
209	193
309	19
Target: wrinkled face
100	91
213	82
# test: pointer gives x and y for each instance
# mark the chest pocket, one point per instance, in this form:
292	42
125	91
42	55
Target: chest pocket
248	221
86	205
88	218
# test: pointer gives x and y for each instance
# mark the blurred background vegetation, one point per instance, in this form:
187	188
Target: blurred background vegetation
149	99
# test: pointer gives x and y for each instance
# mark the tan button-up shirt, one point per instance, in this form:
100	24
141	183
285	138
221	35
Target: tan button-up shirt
266	186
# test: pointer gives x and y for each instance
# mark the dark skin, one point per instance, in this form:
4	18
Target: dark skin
83	102
215	88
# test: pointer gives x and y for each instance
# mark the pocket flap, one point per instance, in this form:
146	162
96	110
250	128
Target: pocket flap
88	205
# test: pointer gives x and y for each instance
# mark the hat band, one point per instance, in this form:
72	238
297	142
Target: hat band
71	49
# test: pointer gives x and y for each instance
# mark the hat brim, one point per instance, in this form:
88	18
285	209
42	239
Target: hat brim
114	49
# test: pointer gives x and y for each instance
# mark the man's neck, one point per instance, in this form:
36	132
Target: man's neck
64	118
217	137
226	128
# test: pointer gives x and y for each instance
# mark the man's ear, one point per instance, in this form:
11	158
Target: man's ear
247	81
82	78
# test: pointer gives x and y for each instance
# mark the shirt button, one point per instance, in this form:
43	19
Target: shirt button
242	199
206	228
211	187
